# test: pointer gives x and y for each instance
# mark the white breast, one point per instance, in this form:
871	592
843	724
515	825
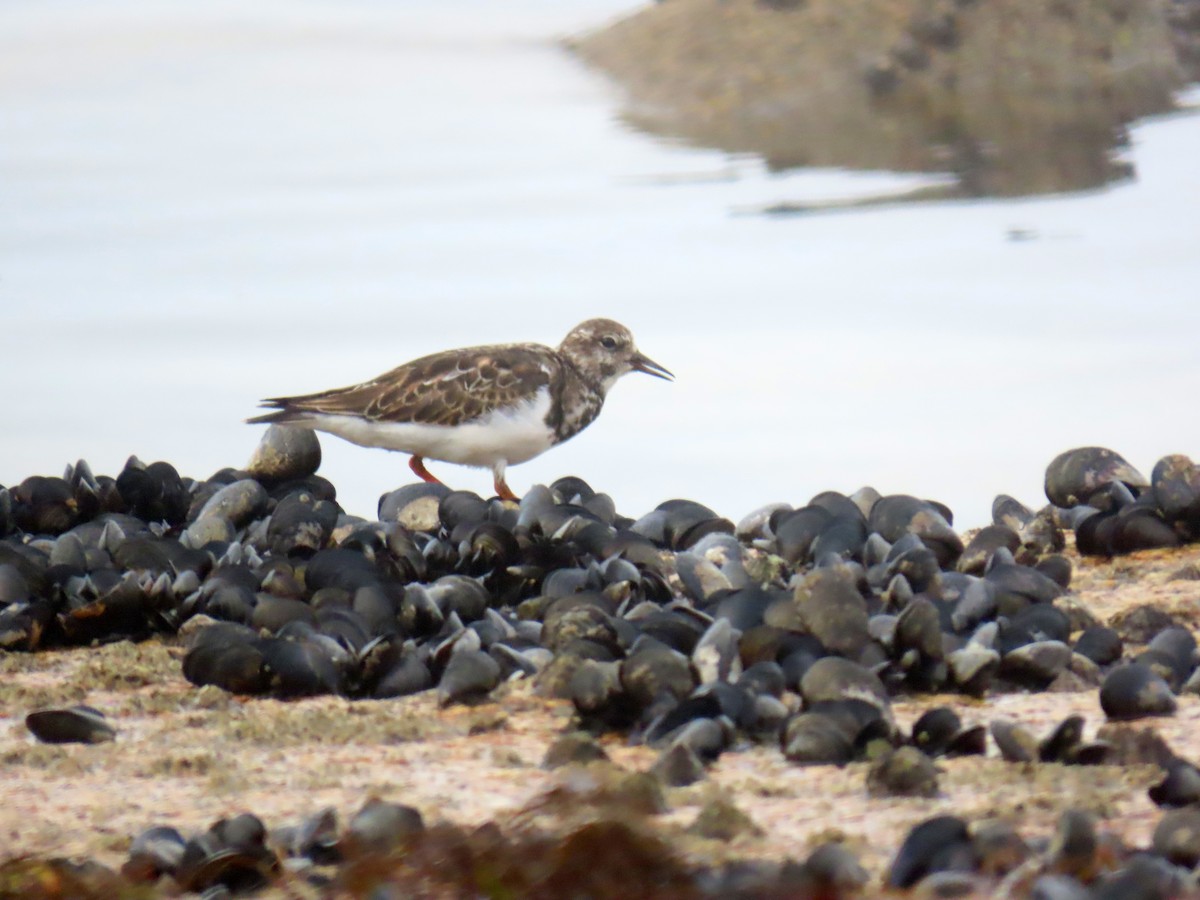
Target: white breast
513	435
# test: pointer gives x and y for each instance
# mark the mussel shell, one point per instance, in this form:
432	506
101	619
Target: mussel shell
902	772
842	539
918	627
489	547
1035	664
469	675
285	453
1018	586
701	578
237	666
654	670
13	586
413	506
340	568
1177	837
461	507
1180	787
302	524
273	613
934	730
815	739
678	766
44	505
1057	568
745	609
571	489
698	706
892	516
835	678
155	852
796	531
984	544
935	532
917	563
460	595
935	845
1134	691
238	871
299	668
764	678
968	742
832	610
153	493
408	675
1176	487
380	827
1015	742
715	655
1141	529
756	525
1060	744
1101	644
239	503
1075	475
708	738
72	725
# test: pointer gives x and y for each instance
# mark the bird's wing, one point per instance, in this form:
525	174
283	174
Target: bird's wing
444	388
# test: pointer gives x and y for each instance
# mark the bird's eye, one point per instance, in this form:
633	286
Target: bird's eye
608	342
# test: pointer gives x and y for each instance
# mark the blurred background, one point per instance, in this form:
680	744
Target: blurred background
206	204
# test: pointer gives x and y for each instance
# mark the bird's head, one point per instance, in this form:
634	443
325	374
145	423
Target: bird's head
603	350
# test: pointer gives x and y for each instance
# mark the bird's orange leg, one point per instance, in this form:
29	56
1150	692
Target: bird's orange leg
418	466
503	491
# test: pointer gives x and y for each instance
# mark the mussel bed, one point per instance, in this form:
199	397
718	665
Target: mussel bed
680	631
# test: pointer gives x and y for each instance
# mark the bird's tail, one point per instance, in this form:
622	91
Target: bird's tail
281	413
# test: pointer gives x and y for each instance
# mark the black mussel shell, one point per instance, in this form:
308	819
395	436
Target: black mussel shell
796	531
810	738
935	729
153	493
984	544
44	505
155	852
381	827
1134	691
72	725
678	766
1074	476
902	772
459	507
833	611
935	845
285	454
1015	741
470	675
1176	487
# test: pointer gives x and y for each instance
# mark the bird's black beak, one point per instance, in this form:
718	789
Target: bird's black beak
645	364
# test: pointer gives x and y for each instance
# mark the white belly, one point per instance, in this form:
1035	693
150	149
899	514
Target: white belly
511	436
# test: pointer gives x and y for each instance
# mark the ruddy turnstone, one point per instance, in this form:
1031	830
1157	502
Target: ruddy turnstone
491	406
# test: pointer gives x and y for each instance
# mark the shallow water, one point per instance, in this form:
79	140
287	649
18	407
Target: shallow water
204	205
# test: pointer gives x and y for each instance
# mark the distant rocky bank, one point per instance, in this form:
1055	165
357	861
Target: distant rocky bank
1011	97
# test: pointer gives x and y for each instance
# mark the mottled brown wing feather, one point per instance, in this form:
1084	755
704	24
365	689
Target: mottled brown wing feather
441	389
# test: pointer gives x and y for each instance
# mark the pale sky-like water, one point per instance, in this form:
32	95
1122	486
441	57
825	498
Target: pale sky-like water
202	205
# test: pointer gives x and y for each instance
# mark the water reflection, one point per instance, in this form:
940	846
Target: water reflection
1011	98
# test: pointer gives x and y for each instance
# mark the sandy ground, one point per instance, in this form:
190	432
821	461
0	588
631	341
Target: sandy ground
186	757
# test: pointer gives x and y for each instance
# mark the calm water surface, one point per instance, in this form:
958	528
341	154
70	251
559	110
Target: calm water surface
204	204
